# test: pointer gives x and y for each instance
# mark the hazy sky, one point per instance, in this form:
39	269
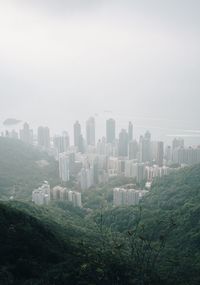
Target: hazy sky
61	60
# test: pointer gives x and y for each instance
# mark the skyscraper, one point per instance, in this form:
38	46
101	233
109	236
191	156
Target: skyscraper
78	137
110	130
64	167
90	131
123	143
26	135
61	143
159	153
44	137
145	147
130	131
133	149
77	133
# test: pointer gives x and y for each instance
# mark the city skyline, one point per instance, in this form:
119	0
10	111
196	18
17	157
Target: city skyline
191	137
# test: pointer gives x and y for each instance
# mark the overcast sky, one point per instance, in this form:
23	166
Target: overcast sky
61	60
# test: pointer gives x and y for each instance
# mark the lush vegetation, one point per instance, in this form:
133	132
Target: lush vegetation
102	195
169	214
22	169
156	243
52	245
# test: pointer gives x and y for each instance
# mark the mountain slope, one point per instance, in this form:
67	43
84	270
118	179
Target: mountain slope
168	216
21	170
50	246
28	247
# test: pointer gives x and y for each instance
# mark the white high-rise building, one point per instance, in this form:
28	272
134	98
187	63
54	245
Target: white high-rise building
75	198
122	196
59	193
41	196
64	166
90	131
61	143
44	137
86	178
26	134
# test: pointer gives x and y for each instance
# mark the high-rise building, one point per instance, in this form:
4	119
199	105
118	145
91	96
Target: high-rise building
133	149
59	193
160	153
177	142
189	155
168	153
64	166
75	198
145	147
123	143
122	196
44	137
110	130
26	135
77	133
61	143
86	178
63	194
41	196
130	131
90	131
138	172
157	152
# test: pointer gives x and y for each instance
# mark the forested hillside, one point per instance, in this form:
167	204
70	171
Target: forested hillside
22	168
157	242
170	214
48	246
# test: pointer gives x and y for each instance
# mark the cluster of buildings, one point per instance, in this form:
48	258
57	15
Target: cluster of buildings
125	196
43	195
179	154
92	162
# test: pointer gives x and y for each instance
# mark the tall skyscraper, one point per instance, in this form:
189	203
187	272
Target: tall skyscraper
130	131
44	137
64	167
26	135
77	133
110	130
160	153
168	153
123	143
145	147
90	131
133	149
61	143
78	137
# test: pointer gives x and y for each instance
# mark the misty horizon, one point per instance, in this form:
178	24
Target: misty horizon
65	61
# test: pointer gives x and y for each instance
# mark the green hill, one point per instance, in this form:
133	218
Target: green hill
22	168
167	221
54	246
155	243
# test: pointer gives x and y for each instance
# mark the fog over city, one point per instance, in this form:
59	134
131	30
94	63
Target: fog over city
130	60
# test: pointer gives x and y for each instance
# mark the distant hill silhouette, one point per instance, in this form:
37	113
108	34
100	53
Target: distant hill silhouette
11	121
